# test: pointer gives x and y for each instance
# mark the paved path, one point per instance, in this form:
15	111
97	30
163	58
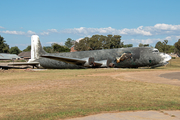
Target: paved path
139	115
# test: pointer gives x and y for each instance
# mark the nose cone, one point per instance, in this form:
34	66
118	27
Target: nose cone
165	57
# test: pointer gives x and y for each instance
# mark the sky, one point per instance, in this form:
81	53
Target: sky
137	21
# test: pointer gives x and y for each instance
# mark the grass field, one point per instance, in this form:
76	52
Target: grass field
7	61
59	94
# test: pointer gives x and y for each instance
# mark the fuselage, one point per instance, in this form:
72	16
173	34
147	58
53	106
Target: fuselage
128	57
120	57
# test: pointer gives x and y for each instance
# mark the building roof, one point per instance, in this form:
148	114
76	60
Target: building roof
7	56
25	54
73	49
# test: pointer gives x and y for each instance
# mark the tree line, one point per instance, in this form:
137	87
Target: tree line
96	42
54	48
163	47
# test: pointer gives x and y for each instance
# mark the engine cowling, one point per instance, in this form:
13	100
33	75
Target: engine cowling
102	63
89	61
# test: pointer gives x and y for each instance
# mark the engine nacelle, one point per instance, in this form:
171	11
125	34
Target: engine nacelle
89	61
102	63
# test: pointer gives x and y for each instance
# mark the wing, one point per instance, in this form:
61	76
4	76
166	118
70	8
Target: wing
17	64
102	63
86	62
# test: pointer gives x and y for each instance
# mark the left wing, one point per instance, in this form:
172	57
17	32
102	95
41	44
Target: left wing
34	64
86	62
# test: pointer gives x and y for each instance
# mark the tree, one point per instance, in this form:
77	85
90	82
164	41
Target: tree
59	48
127	45
143	45
170	49
48	49
146	45
97	42
69	43
14	50
159	46
4	48
162	46
116	42
165	45
107	42
27	49
83	44
177	46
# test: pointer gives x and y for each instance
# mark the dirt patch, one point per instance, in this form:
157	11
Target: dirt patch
160	77
171	77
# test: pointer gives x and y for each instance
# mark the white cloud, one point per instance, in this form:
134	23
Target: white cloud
147	41
167	27
137	31
31	32
172	37
52	30
177	37
1	27
60	43
77	40
144	41
24	45
18	32
44	33
158	29
47	32
141	34
13	32
108	30
50	42
168	38
163	29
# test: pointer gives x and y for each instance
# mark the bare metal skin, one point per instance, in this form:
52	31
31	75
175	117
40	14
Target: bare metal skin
119	58
140	57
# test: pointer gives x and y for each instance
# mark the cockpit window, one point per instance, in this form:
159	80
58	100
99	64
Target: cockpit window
155	51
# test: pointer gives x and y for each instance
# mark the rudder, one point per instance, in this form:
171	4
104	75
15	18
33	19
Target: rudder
36	48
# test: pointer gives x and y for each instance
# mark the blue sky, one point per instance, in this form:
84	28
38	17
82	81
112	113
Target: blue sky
137	21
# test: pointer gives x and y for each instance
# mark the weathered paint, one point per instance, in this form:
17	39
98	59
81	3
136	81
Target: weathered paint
133	57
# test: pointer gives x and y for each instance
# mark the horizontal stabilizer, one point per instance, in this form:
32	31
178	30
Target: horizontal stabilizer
18	64
87	62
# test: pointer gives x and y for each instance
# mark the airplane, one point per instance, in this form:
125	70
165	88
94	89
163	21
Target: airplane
118	58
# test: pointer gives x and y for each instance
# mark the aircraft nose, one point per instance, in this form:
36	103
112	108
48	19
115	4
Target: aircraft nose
166	57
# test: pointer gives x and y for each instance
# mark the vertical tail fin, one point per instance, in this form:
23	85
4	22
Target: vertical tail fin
36	48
